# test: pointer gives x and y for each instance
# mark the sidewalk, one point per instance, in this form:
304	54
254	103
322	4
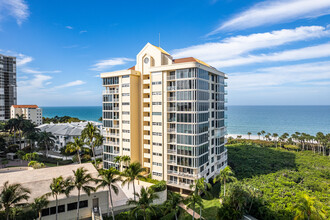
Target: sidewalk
189	211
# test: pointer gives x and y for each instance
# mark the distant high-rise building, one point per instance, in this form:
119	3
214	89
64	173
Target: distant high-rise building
8	86
29	112
169	115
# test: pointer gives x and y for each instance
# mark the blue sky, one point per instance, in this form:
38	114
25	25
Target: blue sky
274	52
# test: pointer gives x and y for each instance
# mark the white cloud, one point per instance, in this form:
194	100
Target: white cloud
69	27
34	71
22	59
107	64
233	47
14	8
275	11
70	84
83	31
301	74
37	82
319	51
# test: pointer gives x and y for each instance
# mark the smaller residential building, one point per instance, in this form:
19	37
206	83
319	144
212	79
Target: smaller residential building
66	132
29	112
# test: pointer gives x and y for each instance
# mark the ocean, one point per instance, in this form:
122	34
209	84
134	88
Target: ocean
241	119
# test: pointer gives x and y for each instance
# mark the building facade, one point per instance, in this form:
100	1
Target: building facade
29	112
8	86
169	115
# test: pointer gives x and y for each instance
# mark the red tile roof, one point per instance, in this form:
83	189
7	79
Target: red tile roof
25	106
132	68
190	59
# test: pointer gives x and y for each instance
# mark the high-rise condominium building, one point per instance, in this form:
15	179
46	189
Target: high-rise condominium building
7	85
169	115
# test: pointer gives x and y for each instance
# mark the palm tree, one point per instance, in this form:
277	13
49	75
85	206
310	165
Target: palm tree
275	135
172	203
263	132
193	200
38	204
29	131
20	124
76	146
11	125
89	134
81	180
46	139
144	204
131	173
259	133
201	186
109	178
118	160
11	195
126	159
249	134
308	208
225	175
58	187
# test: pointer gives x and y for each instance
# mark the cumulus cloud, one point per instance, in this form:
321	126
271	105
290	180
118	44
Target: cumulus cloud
108	64
18	9
275	11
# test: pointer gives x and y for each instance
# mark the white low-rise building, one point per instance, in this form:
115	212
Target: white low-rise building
29	112
66	132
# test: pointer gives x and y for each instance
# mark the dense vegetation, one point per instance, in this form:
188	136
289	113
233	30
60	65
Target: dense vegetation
58	119
281	176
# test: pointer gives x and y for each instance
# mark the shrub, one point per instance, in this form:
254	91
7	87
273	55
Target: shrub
160	186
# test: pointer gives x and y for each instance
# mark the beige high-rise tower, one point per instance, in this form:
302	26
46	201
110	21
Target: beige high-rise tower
169	115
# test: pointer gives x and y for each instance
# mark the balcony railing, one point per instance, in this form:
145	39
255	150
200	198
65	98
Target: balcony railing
170	77
172	119
105	92
171	109
170	98
172	140
171	151
171	88
170	129
171	162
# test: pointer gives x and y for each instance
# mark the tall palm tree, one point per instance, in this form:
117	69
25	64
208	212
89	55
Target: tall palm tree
118	160
81	181
109	178
131	173
12	127
193	200
172	203
201	186
275	135
76	146
47	140
225	175
58	187
249	134
89	134
259	133
20	124
263	132
144	204
308	208
29	131
11	195
38	204
126	159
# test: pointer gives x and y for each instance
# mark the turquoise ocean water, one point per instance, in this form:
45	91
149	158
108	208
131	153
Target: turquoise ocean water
241	119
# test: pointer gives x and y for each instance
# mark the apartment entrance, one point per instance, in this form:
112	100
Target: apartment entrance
96	202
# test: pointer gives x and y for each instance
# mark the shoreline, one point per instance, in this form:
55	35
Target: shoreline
245	136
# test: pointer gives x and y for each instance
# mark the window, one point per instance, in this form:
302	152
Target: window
125	103
126	76
110	81
156	174
126	131
157	83
157	164
156	103
126	149
156	113
126	140
157	123
125	85
156	144
156	93
125	94
157	154
125	113
73	206
126	122
157	133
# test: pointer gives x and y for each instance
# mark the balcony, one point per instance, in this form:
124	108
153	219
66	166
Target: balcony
146	155
146	164
172	171
170	77
172	119
146	81
106	92
171	88
115	126
171	151
170	130
146	128
146	118
172	141
171	99
146	91
111	143
146	100
115	100
171	109
225	84
114	134
171	162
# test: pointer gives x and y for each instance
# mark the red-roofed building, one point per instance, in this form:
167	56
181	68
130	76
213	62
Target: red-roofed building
29	112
